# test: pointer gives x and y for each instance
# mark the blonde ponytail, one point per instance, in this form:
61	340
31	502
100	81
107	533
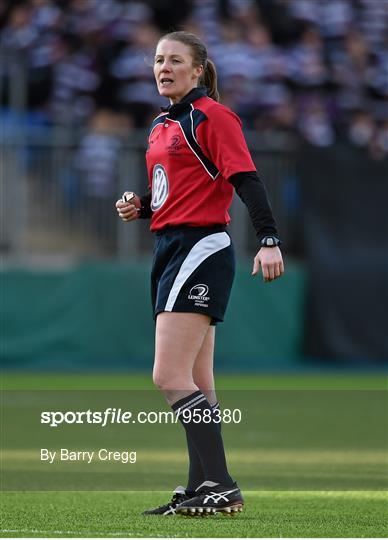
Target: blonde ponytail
209	79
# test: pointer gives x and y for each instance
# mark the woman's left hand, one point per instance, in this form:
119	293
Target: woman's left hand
271	261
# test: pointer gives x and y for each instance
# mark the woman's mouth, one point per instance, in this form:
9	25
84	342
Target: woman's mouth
165	81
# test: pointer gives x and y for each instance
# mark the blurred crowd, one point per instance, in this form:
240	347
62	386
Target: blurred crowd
317	68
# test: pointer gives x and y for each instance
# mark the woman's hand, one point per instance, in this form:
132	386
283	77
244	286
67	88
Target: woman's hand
271	261
128	210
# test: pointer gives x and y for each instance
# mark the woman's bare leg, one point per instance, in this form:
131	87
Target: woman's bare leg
178	341
203	366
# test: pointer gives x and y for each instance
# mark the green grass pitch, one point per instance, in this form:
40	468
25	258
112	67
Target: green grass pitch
268	513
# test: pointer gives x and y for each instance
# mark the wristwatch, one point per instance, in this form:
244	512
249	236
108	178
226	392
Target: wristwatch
270	241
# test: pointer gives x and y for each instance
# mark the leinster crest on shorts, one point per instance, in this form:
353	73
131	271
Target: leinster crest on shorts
159	187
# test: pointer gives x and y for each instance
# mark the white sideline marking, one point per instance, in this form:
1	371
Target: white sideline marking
75	533
90	534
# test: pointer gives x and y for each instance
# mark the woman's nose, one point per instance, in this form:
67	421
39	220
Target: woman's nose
166	66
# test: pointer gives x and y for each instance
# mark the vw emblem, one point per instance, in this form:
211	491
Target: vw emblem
159	187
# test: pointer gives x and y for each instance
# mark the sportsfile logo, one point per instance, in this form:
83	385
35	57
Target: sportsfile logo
117	416
107	417
199	293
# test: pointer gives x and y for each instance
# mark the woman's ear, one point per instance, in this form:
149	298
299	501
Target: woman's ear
198	72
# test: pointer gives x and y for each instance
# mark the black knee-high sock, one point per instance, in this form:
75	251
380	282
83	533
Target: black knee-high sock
205	436
196	474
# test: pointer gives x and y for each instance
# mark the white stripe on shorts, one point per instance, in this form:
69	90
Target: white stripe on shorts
199	252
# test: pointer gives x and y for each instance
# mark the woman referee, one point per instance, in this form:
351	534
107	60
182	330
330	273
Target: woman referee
196	157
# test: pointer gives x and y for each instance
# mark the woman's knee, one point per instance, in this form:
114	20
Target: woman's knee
159	379
203	375
165	380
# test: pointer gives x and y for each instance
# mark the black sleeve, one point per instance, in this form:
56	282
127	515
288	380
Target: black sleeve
252	192
145	209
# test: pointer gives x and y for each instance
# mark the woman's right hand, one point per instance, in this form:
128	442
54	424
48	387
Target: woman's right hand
128	210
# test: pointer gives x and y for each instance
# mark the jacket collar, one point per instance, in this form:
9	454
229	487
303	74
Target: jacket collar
176	108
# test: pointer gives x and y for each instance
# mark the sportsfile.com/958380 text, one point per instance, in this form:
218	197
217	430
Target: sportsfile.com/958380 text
119	416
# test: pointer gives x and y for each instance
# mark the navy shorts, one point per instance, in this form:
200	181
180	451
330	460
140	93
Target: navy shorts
192	271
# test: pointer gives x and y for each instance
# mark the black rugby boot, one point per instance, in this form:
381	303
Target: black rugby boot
211	498
180	495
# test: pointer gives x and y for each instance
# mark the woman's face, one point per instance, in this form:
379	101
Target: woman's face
174	71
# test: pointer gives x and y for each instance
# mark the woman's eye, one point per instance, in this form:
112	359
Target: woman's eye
173	61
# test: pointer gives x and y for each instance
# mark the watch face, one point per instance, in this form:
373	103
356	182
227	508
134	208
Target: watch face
270	241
